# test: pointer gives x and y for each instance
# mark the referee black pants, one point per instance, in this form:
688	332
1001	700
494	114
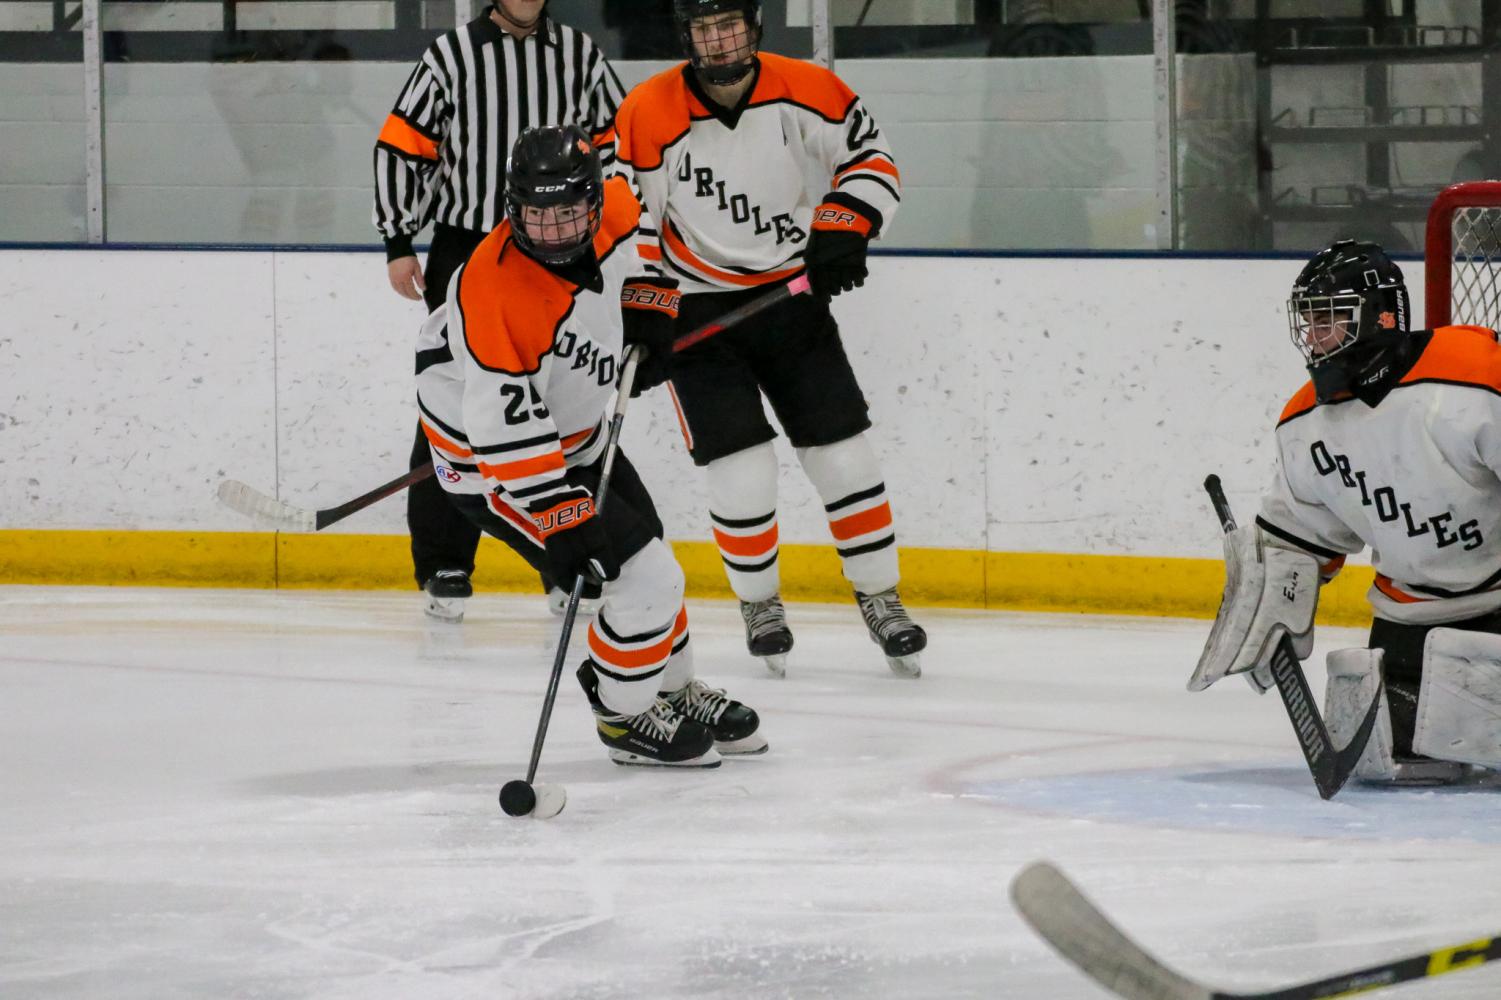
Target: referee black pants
442	537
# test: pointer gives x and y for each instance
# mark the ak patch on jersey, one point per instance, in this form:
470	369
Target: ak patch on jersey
446	474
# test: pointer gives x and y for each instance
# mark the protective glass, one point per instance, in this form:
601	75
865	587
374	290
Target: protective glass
1323	325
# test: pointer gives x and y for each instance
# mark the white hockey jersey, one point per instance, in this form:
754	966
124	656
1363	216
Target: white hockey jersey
733	192
515	371
1417	478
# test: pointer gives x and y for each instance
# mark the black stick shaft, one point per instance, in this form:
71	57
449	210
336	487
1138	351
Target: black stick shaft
1221	505
335	514
612	442
1440	962
797	286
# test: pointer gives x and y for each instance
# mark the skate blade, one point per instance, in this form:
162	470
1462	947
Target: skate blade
746	746
627	759
776	664
905	666
446	609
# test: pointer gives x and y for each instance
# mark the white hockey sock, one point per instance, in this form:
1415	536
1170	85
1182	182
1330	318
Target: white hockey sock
632	638
679	669
848	479
743	508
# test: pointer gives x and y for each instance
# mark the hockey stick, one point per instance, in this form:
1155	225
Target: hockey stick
273	513
280	516
780	294
1079	932
520	798
1330	766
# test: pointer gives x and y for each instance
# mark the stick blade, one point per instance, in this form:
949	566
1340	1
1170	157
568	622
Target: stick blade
264	510
1079	932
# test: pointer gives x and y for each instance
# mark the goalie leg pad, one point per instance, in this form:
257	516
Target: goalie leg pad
1459	704
1268	588
1354	678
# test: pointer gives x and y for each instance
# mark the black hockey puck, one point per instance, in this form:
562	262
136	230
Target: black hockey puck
517	798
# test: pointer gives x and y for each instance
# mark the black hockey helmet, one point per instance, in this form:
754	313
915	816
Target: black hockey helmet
554	172
1347	313
738	50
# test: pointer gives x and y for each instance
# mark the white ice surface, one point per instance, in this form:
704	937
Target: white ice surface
212	794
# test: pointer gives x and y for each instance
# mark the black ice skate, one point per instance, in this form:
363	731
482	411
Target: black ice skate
447	590
661	736
766	632
891	628
736	727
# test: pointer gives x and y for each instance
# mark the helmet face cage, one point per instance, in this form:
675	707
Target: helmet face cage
1348	300
720	37
554	194
1323	325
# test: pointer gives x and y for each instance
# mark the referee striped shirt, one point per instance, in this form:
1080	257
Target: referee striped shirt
442	152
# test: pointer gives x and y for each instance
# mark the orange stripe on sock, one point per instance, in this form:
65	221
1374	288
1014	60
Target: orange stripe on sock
747	545
633	659
862	523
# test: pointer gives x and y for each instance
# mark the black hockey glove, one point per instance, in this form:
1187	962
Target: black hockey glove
842	229
575	540
649	318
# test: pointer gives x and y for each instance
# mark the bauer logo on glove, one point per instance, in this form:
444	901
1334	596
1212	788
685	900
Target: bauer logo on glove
565	515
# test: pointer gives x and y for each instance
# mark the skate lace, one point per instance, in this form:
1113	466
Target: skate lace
765	616
884	614
660	721
699	701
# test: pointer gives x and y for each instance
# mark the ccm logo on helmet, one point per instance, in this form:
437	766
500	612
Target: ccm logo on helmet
549	188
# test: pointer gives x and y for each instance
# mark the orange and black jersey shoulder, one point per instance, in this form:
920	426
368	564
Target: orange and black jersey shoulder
509	332
1457	355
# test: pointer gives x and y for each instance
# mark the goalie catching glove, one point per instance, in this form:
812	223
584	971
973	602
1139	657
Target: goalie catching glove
1269	589
575	540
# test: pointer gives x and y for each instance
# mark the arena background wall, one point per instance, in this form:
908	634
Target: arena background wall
1044	424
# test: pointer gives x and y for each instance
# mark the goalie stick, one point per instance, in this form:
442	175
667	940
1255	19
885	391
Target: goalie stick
272	513
1330	766
1077	930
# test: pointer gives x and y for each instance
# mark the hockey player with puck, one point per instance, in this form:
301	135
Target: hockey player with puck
1394	445
514	375
725	150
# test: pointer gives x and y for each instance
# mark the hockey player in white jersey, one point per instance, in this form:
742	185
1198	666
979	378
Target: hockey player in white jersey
1394	445
514	374
756	167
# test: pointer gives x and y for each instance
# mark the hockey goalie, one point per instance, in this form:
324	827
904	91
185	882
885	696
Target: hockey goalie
1395	445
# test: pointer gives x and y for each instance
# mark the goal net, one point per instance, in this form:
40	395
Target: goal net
1463	256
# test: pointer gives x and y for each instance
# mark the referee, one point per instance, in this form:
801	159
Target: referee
441	158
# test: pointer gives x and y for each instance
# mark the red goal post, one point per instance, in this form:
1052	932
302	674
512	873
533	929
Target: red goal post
1462	256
